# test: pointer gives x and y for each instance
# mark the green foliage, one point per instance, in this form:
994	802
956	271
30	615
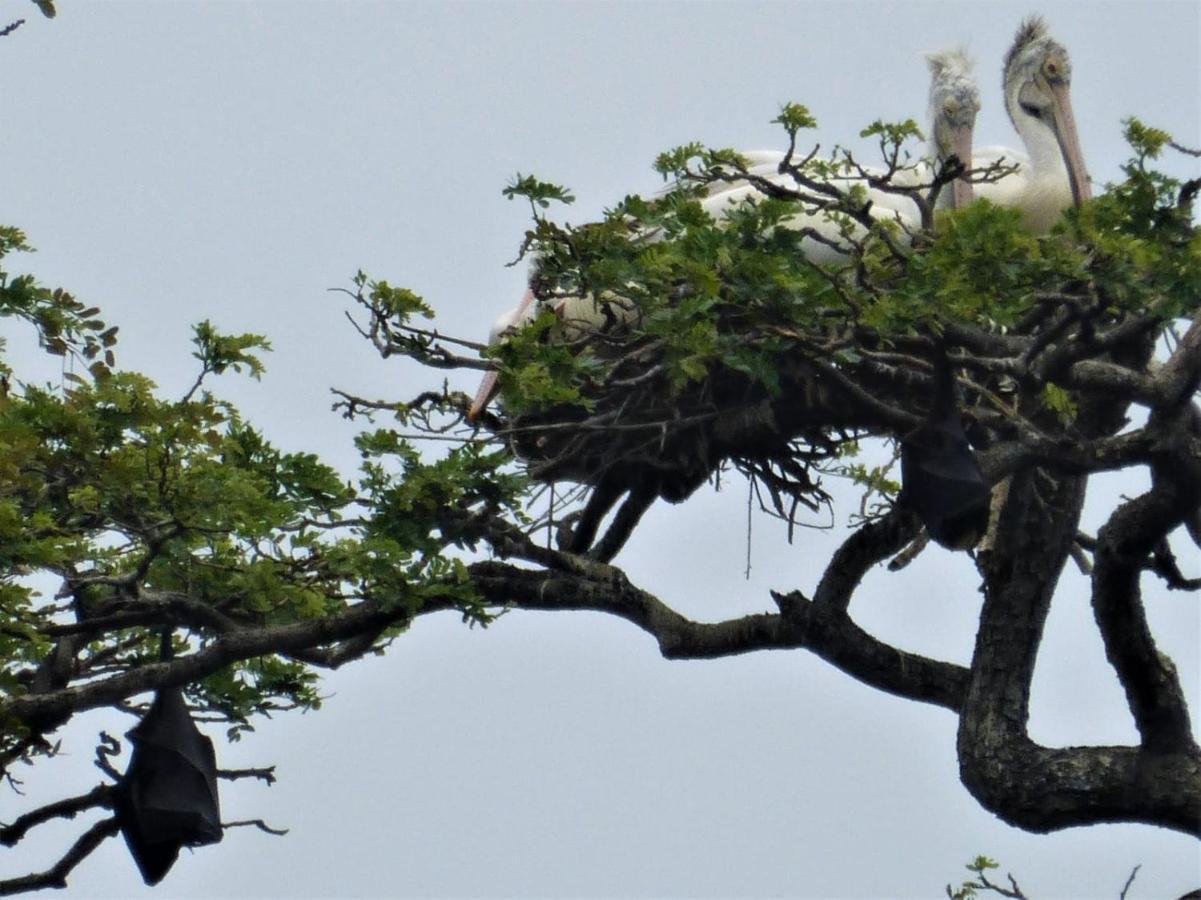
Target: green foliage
980	866
737	295
400	303
678	162
1060	402
983	269
893	133
795	117
875	479
125	498
1146	247
219	352
540	194
422	505
1146	142
541	373
64	325
739	301
122	495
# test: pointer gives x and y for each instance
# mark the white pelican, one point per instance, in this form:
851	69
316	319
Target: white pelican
1051	176
578	317
953	105
954	102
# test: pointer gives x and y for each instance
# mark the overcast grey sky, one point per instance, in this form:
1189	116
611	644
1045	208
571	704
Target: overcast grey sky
180	161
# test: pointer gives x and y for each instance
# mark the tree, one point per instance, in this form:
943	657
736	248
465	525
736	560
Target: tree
176	517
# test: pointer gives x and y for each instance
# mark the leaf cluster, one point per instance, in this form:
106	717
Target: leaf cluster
154	513
696	317
64	325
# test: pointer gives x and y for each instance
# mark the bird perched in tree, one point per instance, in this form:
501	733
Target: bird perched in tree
954	102
1051	175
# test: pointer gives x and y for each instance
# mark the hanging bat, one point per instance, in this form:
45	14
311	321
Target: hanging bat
168	797
940	478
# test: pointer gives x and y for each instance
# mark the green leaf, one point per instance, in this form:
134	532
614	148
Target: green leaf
540	193
795	117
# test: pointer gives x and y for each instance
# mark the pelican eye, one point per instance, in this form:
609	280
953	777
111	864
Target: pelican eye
1031	110
1053	69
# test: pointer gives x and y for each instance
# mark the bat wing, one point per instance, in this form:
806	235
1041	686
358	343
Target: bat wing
169	798
942	483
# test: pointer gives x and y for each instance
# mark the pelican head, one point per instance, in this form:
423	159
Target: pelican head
1038	78
954	102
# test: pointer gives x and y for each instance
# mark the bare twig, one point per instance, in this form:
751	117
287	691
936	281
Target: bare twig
265	774
256	823
1129	881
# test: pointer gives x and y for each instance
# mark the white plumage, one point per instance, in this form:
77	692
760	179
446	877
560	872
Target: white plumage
1051	175
954	101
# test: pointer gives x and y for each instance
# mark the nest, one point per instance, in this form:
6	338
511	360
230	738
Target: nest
643	437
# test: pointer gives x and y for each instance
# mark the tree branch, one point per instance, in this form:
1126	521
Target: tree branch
821	626
1036	788
56	875
256	823
229	648
1123	545
101	795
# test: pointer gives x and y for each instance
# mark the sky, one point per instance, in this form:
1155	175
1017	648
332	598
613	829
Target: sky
234	161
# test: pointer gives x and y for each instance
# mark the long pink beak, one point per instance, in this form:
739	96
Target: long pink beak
1069	143
483	396
961	189
489	384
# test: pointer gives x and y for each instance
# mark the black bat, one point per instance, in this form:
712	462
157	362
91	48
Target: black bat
940	478
168	797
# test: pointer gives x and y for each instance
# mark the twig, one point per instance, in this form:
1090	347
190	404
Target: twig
108	746
56	875
1129	881
101	795
257	823
266	774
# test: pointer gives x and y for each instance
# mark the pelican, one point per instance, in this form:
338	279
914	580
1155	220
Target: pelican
1051	175
953	103
505	324
578	315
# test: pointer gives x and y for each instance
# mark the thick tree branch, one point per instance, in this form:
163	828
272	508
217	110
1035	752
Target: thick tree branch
1180	375
1123	545
821	626
1033	787
229	648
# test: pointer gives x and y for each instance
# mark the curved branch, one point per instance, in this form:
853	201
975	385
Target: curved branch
56	875
821	626
1179	376
1033	787
229	648
1123	545
101	795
